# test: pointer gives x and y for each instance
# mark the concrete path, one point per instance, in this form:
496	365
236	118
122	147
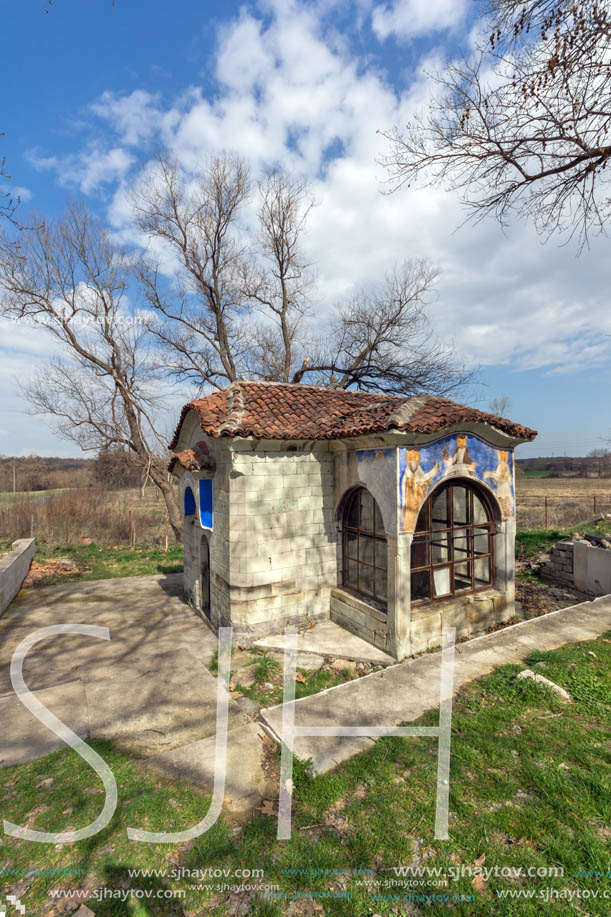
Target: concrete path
149	625
147	689
326	638
402	693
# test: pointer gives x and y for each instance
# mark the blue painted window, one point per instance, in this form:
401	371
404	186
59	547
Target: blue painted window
189	502
205	503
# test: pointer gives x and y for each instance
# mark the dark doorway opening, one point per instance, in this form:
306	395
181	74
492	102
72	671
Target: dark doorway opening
204	582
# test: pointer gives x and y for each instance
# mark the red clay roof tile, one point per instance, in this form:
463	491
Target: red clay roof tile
269	410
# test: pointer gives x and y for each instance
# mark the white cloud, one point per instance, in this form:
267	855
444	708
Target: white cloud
135	116
407	19
290	93
88	170
24	347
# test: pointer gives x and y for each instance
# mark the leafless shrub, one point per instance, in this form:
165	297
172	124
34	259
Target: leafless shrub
81	515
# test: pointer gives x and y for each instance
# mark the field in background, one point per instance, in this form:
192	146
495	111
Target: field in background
556	503
91	533
129	517
96	514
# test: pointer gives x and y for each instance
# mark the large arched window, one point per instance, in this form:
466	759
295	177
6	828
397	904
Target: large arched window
364	548
453	545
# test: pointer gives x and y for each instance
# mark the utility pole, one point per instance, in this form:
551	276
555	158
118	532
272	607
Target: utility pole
14	486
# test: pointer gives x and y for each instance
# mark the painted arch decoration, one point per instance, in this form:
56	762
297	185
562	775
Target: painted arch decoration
460	455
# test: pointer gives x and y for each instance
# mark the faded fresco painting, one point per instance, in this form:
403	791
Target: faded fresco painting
421	469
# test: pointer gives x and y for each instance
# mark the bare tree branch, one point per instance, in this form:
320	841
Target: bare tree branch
69	278
381	340
524	124
194	222
8	202
237	307
279	280
500	405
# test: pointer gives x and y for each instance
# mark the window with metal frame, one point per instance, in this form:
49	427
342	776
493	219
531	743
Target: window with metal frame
453	544
364	548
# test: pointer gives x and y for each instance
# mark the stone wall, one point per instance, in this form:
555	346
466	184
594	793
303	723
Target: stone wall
581	563
559	567
471	615
592	568
282	535
359	617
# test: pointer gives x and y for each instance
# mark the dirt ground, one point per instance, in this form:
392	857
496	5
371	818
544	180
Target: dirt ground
537	598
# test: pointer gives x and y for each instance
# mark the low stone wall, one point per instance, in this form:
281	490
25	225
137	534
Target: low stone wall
360	618
471	615
559	567
579	563
14	569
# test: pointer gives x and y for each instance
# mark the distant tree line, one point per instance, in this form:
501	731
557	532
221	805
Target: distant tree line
111	469
597	464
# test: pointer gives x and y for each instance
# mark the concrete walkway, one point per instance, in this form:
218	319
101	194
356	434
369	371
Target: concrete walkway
403	692
148	688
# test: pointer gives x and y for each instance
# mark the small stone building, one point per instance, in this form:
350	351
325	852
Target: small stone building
393	516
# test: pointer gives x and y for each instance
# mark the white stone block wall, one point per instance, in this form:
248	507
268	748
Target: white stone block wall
14	568
360	618
282	536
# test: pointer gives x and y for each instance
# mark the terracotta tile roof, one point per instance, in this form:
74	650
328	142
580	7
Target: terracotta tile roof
197	458
268	410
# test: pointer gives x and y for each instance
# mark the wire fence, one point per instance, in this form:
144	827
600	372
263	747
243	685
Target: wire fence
559	511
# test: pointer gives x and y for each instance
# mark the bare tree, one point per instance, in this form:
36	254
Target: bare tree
8	202
601	461
233	303
71	279
523	124
381	340
192	225
500	405
277	279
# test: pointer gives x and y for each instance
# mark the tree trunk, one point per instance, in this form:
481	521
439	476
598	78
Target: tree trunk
172	505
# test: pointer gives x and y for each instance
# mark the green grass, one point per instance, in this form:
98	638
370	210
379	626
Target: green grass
266	668
7	496
529	788
103	562
532	541
268	688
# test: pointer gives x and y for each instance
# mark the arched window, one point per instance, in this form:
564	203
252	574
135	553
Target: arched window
364	548
453	545
189	502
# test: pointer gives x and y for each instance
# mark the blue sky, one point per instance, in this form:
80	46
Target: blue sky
88	91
